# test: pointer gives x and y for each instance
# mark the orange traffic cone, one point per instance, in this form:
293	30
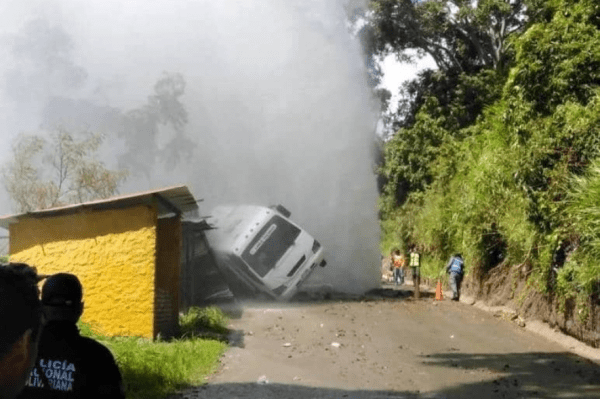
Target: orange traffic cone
439	295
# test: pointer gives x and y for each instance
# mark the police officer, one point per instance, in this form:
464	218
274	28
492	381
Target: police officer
20	326
69	365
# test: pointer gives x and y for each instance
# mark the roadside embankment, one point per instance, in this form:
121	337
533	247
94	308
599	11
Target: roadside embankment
535	322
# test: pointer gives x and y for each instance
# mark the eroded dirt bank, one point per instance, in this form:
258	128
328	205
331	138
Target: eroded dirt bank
390	345
507	285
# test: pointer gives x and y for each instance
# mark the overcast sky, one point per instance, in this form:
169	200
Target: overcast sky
395	73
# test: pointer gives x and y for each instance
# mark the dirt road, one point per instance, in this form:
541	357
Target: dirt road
390	345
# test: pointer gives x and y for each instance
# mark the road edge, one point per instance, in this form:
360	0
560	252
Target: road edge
541	328
535	326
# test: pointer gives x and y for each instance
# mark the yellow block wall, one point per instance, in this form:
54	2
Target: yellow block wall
112	252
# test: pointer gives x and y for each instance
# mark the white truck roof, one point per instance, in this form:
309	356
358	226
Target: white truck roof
231	221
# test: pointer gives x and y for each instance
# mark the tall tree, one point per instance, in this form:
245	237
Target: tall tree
41	62
464	38
460	35
63	170
164	111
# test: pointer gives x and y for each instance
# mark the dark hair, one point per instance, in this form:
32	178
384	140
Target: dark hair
20	307
62	289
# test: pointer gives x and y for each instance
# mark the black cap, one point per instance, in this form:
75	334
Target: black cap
62	289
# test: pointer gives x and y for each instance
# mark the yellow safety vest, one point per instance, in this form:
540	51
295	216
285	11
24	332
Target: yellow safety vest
414	259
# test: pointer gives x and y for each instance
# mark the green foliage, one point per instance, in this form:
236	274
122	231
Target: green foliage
470	42
566	284
582	271
154	369
409	153
390	234
202	321
412	151
518	180
584	208
556	147
559	60
459	36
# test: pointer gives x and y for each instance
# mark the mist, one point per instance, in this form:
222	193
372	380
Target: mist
278	108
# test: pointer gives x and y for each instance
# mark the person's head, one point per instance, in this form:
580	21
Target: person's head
20	325
61	298
458	255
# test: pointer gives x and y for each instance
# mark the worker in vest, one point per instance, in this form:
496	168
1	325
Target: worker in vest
415	265
455	267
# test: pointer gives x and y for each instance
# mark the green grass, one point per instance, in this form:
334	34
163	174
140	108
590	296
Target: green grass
203	322
155	369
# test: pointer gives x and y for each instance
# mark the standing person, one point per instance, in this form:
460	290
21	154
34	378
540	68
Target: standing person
399	262
20	326
455	267
415	265
69	365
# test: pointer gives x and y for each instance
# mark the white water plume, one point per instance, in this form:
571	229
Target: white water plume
276	95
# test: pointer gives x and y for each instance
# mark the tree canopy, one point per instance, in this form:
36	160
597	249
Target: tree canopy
141	127
459	35
463	38
62	170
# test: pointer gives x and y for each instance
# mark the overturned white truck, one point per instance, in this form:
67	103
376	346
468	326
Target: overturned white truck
251	251
261	252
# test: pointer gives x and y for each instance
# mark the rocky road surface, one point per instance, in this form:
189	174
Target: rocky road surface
389	345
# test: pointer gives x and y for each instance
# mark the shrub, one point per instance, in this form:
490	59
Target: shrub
203	322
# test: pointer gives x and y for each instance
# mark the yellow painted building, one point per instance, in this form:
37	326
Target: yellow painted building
125	250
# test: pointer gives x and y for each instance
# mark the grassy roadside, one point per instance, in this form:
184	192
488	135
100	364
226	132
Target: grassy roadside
155	369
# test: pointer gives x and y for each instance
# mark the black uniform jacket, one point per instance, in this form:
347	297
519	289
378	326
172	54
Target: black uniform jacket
72	366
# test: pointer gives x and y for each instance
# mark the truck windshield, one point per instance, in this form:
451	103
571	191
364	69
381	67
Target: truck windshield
269	245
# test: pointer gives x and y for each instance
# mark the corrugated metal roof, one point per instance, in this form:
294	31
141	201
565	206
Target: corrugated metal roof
176	199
